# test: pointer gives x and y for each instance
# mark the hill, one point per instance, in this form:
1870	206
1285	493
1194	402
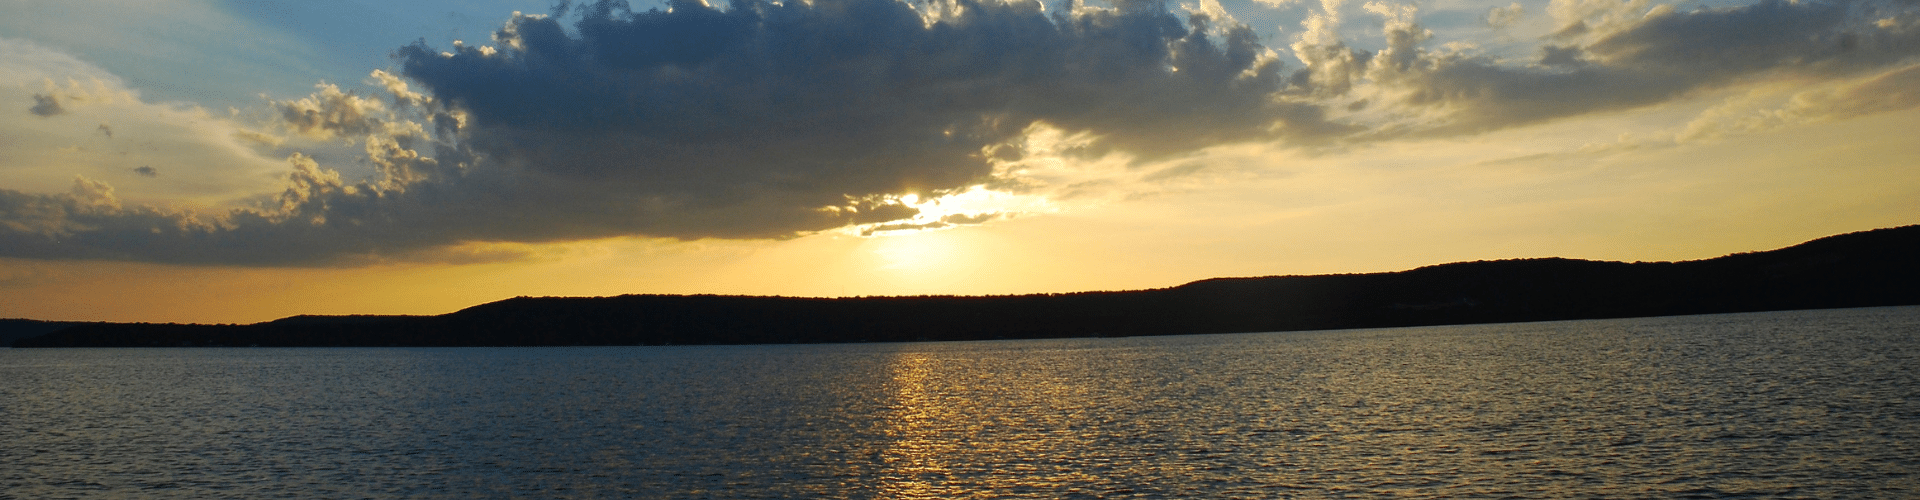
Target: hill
15	329
1871	268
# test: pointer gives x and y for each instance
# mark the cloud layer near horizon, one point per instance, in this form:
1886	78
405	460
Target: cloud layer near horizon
766	120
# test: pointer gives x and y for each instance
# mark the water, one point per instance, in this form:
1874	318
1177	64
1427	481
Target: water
1816	404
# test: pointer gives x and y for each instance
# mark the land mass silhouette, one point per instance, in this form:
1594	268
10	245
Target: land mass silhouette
1864	269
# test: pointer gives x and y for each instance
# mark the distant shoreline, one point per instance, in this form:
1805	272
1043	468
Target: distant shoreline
1864	269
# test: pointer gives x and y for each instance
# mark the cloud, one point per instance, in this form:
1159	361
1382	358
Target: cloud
330	112
146	171
106	128
925	223
1620	55
846	95
1554	55
1891	91
777	120
760	120
903	226
1501	17
1894	90
45	105
969	219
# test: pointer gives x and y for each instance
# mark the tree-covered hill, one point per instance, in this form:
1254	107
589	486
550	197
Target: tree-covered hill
1872	268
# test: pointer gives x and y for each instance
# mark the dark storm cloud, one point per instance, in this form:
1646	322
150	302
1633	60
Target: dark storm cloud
759	120
841	97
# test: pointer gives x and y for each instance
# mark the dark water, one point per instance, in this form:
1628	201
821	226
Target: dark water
1820	404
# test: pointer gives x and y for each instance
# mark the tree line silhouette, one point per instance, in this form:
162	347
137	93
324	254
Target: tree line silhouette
1871	268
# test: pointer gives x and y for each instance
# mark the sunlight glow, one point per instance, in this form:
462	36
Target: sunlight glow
916	253
1046	173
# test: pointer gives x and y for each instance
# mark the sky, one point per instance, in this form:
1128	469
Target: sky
233	162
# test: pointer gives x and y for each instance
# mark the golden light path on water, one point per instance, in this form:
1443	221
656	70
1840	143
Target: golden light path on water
915	462
956	428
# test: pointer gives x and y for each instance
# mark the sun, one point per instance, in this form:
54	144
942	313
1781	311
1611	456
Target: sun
915	252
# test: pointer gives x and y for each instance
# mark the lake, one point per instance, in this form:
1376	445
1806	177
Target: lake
1813	404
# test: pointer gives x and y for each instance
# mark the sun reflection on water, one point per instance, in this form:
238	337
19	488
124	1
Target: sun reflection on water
915	463
965	426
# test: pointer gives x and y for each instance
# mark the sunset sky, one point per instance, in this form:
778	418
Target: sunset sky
240	161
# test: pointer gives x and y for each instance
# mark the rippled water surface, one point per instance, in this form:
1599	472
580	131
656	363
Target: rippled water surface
1818	404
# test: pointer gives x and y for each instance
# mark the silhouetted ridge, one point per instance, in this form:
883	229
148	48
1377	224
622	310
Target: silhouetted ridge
311	319
15	329
1872	268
